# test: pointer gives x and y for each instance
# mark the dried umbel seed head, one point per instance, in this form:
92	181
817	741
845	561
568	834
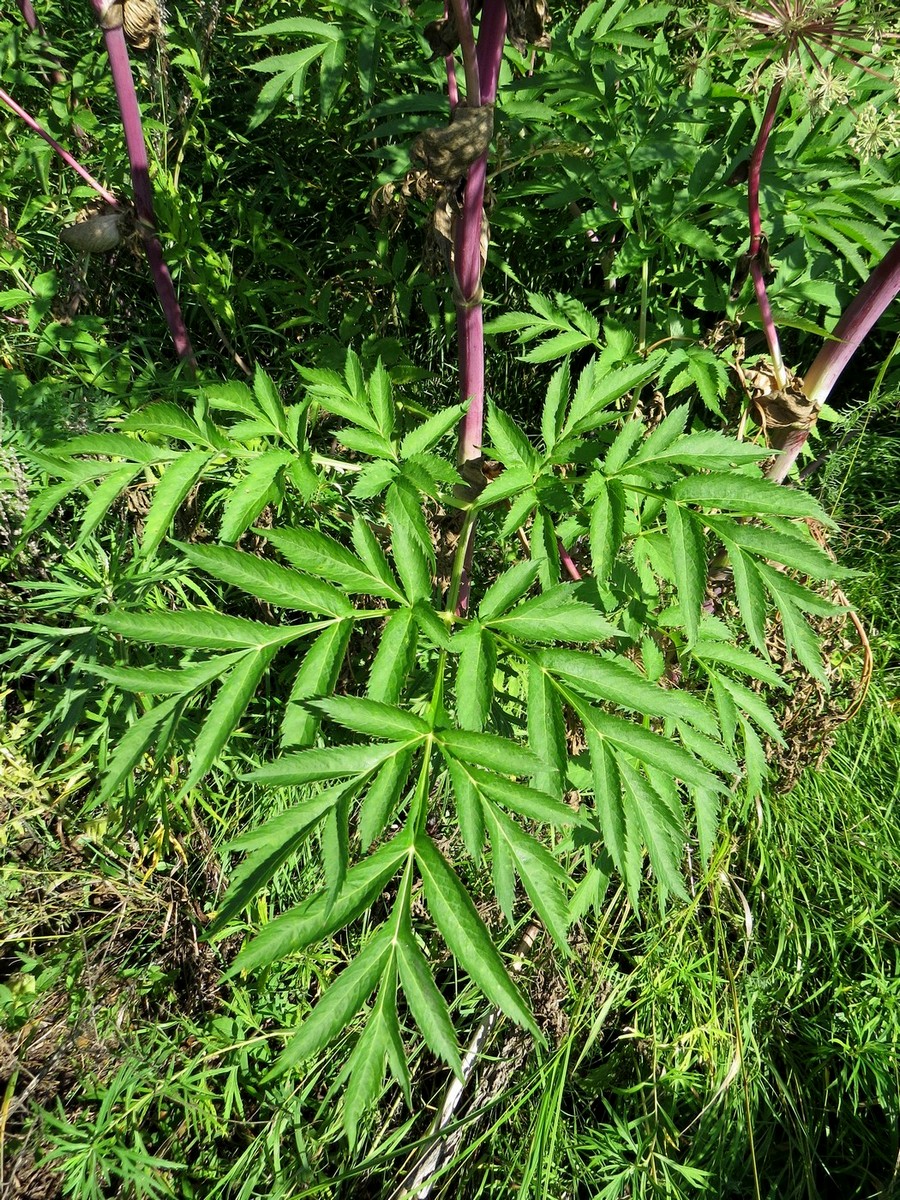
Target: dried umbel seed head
95	234
448	153
143	21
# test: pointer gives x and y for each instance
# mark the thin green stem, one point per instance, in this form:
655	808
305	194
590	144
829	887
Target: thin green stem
460	583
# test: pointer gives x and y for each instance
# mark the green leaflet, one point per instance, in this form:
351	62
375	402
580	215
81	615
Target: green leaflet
410	541
164	420
469	807
610	809
511	445
706	807
320	916
332	762
426	435
555	403
203	630
234	694
268	399
466	935
516	481
507	589
545	549
556	615
503	877
605	390
383	797
619	683
163	681
431	625
527	801
625	737
731	655
315	553
134	744
707	749
662	833
546	730
474	675
542	876
378	1042
707	449
607	527
268	581
797	552
343	1000
689	560
394	658
269	846
102	497
373	444
374	560
488	750
663	436
317	676
372	718
169	494
752	496
428	1006
117	445
751	597
250	495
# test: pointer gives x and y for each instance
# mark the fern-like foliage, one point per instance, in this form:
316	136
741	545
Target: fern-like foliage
573	726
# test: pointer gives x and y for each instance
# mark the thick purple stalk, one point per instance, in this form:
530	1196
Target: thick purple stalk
757	240
463	18
29	16
67	158
468	265
117	50
882	286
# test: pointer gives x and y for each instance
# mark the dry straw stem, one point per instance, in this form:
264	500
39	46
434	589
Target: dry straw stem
420	1178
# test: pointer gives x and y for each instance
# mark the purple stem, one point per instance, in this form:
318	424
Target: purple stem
117	50
754	174
463	16
29	16
63	154
882	286
468	265
568	562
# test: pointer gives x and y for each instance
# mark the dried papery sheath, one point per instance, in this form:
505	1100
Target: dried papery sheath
110	14
94	235
143	21
448	153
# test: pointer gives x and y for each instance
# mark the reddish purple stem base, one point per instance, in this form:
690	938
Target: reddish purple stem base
129	108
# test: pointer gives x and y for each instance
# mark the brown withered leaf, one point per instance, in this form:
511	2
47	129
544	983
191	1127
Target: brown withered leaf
527	22
441	231
442	36
449	152
142	21
778	409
